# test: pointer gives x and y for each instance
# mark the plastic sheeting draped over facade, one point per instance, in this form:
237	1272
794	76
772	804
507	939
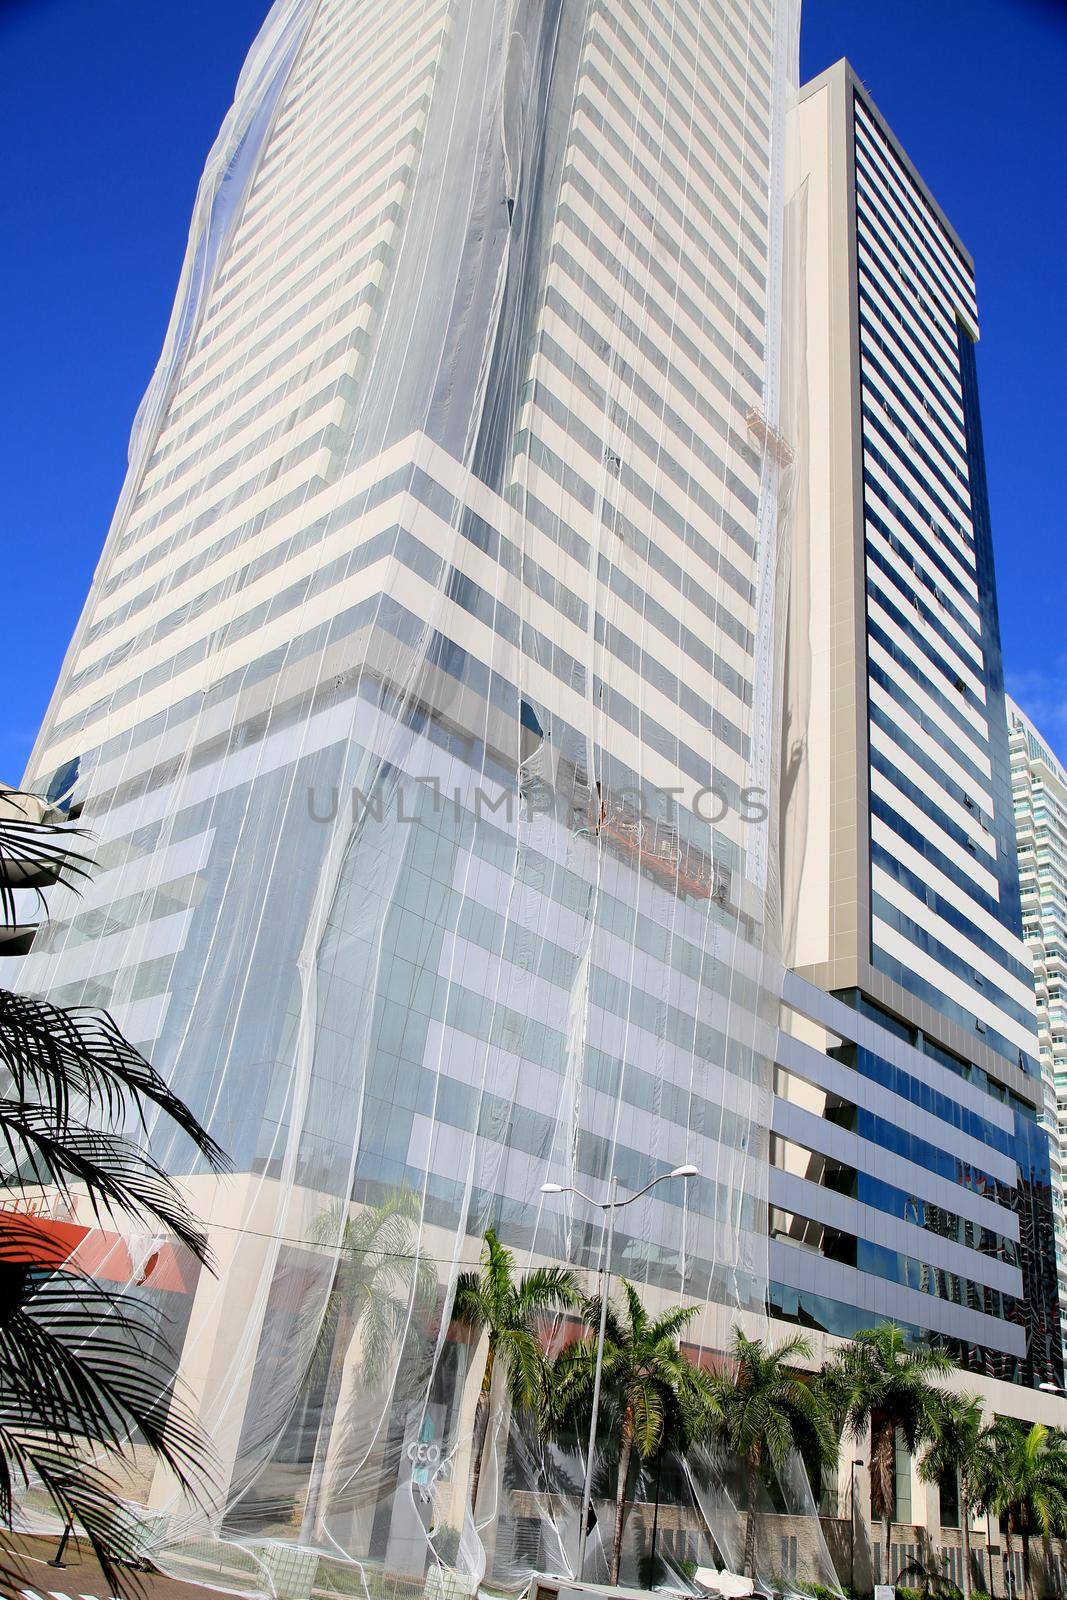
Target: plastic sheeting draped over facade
424	707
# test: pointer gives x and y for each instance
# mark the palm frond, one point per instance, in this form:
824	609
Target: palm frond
646	1406
81	1492
1023	1474
571	1381
386	1228
793	1351
768	1410
546	1289
470	1306
614	1330
497	1265
525	1369
880	1372
33	851
699	1405
383	1325
86	1373
58	1057
634	1307
382	1284
84	1360
117	1176
671	1324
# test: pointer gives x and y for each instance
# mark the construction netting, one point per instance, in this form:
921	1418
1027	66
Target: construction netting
424	711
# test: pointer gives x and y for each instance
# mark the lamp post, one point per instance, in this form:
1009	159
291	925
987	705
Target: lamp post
609	1206
858	1462
57	1559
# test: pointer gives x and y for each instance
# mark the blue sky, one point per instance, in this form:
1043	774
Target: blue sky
108	107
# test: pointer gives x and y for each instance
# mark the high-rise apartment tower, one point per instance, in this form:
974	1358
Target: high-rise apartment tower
900	875
1039	794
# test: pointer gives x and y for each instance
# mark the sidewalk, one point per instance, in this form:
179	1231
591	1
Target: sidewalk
80	1577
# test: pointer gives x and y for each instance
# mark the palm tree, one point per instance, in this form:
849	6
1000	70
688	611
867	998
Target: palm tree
73	1080
684	1437
647	1377
83	1368
958	1447
1026	1482
492	1301
380	1284
879	1381
768	1412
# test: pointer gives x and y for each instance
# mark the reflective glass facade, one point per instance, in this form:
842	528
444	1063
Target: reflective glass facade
896	1175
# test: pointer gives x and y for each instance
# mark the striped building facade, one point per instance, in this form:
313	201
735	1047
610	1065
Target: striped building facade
901	881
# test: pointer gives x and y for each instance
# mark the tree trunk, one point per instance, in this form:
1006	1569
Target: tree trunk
1028	1583
481	1424
965	1534
749	1566
331	1395
887	1550
620	1500
883	1443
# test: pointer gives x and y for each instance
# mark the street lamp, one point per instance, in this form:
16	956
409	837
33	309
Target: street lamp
610	1206
858	1462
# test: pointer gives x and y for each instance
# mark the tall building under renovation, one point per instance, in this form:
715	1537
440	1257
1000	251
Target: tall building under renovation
1039	793
427	709
423	706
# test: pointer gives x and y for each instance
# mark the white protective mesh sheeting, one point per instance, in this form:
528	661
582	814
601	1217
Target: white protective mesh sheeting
424	704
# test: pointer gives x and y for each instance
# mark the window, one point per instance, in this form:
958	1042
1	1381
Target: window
949	1491
902	1480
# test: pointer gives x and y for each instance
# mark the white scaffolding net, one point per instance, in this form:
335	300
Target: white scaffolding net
424	707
